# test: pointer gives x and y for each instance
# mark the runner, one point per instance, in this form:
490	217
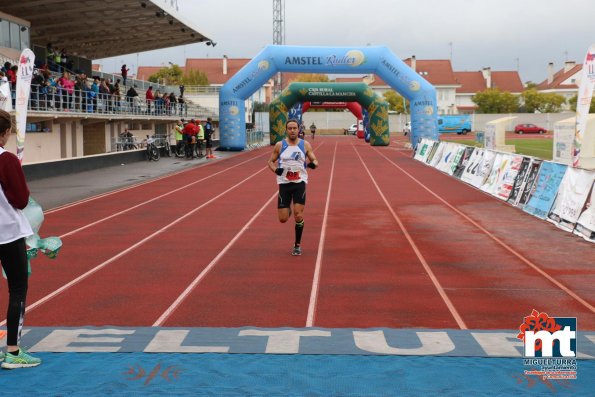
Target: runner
288	161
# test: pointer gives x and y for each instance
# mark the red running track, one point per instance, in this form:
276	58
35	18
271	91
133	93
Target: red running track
388	242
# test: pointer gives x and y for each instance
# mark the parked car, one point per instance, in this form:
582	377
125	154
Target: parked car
528	128
351	130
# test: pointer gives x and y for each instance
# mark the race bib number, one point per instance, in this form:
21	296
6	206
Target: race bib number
293	175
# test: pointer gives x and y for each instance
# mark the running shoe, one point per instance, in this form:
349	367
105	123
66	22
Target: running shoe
22	360
297	251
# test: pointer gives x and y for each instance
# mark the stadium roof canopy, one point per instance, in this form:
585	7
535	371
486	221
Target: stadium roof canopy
99	29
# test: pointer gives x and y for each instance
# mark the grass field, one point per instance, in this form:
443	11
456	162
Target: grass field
541	148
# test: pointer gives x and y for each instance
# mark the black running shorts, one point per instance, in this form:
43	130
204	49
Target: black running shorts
289	192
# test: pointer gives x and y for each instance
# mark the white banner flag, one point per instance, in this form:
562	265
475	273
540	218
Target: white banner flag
5	98
24	75
585	93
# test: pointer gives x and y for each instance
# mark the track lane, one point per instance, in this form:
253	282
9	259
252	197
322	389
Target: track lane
135	288
370	275
66	219
257	282
493	287
89	248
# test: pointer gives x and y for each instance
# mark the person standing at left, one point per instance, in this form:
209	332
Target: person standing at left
14	228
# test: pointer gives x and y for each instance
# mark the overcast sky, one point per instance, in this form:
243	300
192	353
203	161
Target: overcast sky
501	34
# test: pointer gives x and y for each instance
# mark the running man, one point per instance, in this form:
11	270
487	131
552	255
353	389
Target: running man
288	161
313	130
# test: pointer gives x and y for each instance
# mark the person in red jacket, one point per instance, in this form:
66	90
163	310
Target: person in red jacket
14	228
190	131
149	97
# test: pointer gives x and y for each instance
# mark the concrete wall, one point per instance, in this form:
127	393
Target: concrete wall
337	121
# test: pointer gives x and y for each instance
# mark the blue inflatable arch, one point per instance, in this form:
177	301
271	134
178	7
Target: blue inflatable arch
335	60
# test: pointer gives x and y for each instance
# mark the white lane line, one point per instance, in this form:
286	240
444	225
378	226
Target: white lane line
209	267
151	200
316	280
497	240
420	257
132	247
101	195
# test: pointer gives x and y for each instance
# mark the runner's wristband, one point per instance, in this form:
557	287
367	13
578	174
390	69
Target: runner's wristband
279	171
311	165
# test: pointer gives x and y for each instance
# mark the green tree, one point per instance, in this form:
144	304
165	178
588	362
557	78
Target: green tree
395	101
493	100
168	76
541	102
572	102
195	77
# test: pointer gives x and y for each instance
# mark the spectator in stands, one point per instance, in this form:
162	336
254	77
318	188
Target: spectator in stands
183	108
64	60
37	83
66	88
94	93
11	74
158	101
124	71
80	91
172	103
149	97
131	96
182	89
105	95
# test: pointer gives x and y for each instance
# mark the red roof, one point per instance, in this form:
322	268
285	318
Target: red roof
472	82
559	77
436	72
507	81
213	68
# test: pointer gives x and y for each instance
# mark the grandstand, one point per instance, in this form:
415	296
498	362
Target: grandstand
74	111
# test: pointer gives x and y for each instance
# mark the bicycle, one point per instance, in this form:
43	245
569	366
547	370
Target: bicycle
152	150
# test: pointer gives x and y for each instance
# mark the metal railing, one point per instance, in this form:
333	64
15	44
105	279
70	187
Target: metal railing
56	100
254	138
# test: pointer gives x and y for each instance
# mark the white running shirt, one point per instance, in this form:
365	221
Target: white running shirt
293	160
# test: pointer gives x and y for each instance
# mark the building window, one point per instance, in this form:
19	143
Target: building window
41	126
14	35
4	34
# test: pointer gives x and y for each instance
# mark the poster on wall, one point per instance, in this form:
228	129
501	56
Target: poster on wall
572	196
468	153
438	155
421	149
447	156
484	168
457	159
500	164
432	152
472	165
546	186
527	187
506	183
585	226
519	182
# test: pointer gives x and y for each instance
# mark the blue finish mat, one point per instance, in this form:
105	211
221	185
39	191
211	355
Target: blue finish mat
211	374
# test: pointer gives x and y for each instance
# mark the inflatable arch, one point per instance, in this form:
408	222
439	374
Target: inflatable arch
348	92
335	60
